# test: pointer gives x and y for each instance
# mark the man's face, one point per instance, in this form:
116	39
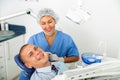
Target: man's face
34	56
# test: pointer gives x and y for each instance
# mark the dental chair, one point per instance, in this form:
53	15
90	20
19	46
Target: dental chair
26	72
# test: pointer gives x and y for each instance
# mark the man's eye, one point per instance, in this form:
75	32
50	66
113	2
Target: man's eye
30	54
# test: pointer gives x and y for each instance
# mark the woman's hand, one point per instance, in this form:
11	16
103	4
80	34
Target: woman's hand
54	57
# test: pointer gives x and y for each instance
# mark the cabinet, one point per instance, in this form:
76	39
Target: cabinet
2	63
8	49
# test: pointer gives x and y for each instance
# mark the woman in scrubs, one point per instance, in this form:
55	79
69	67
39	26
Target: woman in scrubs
59	44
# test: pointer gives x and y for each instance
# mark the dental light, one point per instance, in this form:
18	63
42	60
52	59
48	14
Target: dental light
2	19
77	13
28	11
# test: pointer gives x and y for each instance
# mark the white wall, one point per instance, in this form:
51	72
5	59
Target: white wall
104	24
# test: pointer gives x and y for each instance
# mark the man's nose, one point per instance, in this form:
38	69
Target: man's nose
36	53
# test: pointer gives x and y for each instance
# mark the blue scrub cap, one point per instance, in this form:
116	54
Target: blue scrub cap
48	12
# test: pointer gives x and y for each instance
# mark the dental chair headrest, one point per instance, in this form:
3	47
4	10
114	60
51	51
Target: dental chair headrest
21	65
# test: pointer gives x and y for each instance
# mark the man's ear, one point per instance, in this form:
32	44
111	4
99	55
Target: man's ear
28	65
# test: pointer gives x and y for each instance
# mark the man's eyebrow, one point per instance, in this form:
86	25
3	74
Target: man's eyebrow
34	47
30	51
29	54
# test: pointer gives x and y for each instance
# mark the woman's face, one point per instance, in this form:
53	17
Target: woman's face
48	24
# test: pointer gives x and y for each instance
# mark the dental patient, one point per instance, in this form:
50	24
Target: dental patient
34	57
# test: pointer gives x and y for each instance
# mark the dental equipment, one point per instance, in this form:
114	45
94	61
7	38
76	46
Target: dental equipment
77	13
109	69
4	27
28	11
2	19
90	58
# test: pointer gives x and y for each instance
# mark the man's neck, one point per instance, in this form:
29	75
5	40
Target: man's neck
44	65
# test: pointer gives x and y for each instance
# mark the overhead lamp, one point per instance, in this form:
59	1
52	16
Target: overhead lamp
77	13
4	25
28	11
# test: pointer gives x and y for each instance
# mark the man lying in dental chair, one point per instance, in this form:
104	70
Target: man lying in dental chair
35	58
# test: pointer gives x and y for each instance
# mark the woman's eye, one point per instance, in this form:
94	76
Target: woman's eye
43	23
50	22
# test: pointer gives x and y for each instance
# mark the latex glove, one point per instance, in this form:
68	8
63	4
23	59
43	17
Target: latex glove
54	57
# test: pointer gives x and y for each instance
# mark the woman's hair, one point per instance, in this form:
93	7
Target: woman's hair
47	12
